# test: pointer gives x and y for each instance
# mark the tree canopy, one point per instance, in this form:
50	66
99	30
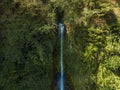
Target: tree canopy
29	44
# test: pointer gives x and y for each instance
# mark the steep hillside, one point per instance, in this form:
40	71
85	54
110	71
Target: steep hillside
30	44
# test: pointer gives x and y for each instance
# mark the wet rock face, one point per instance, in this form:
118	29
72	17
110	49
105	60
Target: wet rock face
59	14
56	80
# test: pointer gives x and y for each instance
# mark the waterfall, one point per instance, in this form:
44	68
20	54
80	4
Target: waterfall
61	31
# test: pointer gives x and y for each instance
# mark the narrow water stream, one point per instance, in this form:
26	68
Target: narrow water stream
61	31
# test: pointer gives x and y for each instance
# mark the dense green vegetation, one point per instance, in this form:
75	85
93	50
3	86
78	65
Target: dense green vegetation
29	44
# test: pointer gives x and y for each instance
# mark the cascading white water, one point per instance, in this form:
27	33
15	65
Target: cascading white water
61	31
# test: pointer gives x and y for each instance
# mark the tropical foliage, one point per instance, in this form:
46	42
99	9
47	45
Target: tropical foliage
29	44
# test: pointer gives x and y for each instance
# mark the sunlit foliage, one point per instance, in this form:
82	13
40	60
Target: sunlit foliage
29	38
